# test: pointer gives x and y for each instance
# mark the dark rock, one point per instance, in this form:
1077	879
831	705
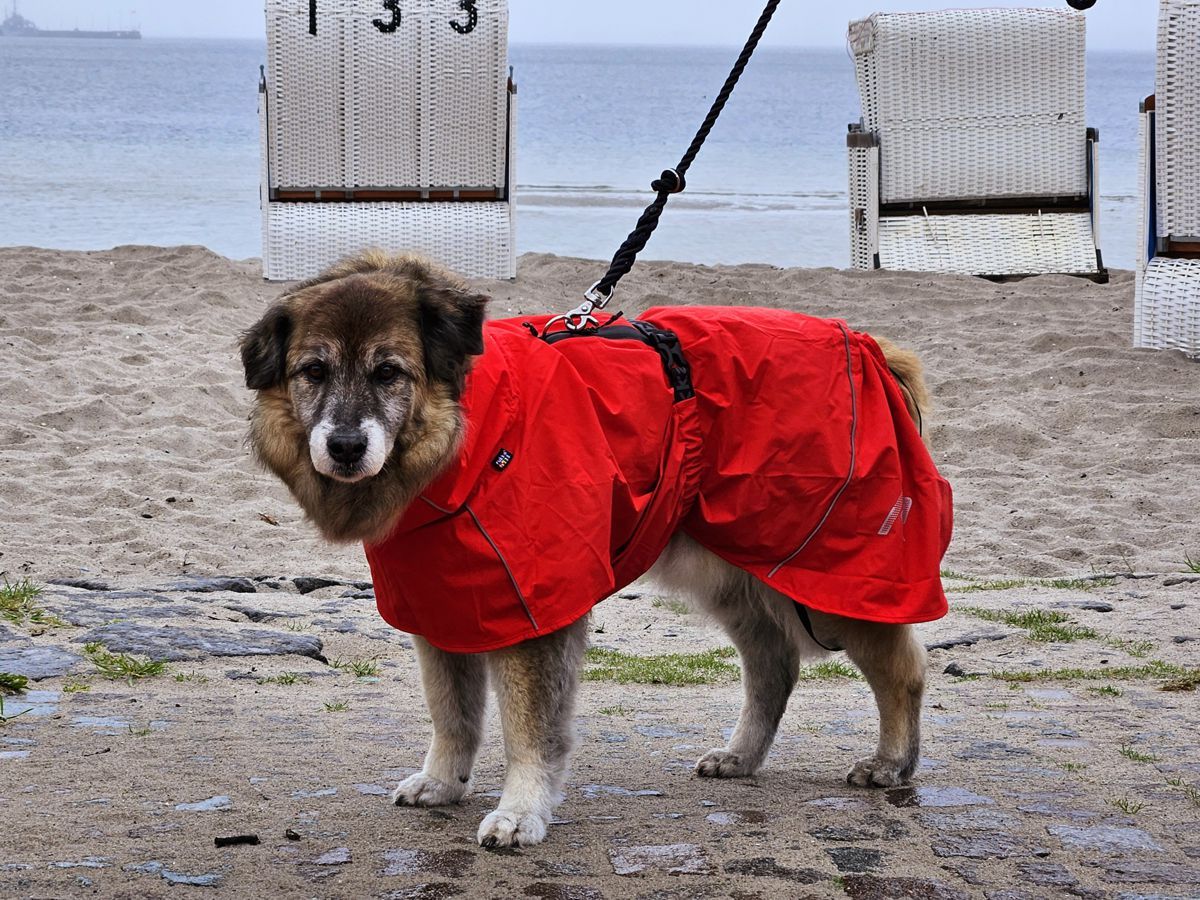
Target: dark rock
37	662
552	891
359	595
1178	606
258	614
991	750
199	585
967	640
234	840
872	887
767	867
855	859
1106	838
179	643
983	846
1136	871
306	584
1089	605
1047	874
1180	579
84	615
88	584
955	670
1185	638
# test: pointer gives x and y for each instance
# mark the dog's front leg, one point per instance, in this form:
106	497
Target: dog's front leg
456	693
535	684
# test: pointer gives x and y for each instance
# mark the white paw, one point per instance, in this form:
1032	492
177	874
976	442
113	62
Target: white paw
505	828
722	764
875	772
425	790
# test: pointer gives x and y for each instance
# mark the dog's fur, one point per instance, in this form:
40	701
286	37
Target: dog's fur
358	374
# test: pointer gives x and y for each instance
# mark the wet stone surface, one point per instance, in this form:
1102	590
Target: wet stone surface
671	859
37	662
175	643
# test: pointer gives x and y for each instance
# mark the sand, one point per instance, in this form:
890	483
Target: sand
122	459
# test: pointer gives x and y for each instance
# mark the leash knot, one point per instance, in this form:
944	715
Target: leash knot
669	182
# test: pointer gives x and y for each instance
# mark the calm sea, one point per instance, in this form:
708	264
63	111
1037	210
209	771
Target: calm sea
113	142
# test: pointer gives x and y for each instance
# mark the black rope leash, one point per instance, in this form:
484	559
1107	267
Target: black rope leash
672	181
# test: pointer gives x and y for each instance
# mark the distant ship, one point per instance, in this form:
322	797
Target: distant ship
16	25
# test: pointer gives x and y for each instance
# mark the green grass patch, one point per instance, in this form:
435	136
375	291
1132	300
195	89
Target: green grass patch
122	665
337	706
287	679
668	668
1147	672
613	711
1191	565
1126	805
977	585
194	677
296	625
18	604
1106	690
1073	767
830	670
359	668
1128	752
1136	649
1042	625
75	686
12	684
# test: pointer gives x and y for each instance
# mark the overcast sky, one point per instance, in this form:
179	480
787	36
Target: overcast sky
1112	24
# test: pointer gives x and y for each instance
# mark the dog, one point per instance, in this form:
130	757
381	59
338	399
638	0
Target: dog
500	492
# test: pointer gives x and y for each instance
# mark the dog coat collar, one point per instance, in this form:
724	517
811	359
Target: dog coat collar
795	460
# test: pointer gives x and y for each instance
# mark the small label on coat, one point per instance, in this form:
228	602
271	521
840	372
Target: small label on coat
503	458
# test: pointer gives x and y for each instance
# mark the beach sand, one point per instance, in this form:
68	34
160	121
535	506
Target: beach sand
123	463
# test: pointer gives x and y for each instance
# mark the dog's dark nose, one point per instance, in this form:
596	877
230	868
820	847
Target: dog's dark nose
347	446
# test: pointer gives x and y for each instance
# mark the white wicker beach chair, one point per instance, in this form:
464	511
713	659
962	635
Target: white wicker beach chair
1167	301
387	125
973	154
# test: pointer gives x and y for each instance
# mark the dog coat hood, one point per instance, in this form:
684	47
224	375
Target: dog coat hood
795	460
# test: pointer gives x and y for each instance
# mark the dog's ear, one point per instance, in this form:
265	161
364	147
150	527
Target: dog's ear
264	349
452	329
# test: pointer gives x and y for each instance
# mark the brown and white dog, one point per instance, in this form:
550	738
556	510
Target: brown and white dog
359	374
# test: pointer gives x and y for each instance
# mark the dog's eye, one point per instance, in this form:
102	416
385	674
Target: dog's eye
387	373
314	372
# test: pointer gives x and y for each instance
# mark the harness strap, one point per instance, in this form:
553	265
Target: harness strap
664	342
802	612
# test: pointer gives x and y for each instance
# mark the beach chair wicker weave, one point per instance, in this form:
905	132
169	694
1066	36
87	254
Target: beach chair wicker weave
1167	299
388	128
973	154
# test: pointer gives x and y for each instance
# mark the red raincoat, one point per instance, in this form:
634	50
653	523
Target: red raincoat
795	460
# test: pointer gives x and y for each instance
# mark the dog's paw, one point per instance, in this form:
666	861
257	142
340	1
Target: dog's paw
722	764
876	772
505	828
425	790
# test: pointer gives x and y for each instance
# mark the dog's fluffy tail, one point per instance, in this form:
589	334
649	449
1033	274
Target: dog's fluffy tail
909	372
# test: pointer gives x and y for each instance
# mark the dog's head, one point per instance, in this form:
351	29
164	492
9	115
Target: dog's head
355	367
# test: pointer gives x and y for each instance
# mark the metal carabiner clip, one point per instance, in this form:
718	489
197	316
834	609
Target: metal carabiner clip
581	318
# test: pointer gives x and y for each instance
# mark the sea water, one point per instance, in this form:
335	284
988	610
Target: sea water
156	141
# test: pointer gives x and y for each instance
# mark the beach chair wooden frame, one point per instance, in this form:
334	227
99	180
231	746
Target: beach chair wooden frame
1167	295
973	154
387	125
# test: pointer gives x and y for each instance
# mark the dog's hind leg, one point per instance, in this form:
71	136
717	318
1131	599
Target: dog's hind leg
750	615
893	662
456	693
535	683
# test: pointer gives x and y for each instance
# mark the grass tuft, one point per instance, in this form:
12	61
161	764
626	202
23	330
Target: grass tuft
18	605
1151	670
359	668
75	686
1191	565
12	684
613	711
708	667
829	671
1106	690
676	606
1128	752
287	679
122	665
337	706
977	585
1042	625
1125	805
